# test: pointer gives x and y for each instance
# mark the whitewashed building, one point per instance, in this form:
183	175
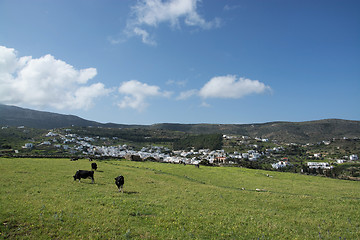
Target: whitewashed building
322	165
280	164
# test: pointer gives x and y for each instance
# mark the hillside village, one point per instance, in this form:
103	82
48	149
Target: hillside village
275	155
237	150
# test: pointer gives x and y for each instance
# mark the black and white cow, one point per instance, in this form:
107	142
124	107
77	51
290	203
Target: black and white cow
93	166
84	174
119	181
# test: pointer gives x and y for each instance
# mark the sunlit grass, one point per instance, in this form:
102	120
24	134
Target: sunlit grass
40	200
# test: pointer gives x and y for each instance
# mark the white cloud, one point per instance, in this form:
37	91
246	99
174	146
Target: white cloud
45	81
137	93
232	7
144	36
177	83
151	13
187	94
204	104
231	87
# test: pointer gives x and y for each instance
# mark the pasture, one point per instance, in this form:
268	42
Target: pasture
39	199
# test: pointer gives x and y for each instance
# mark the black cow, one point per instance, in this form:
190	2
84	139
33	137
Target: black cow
119	181
84	174
93	166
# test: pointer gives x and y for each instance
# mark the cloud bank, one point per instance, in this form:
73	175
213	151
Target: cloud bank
151	13
137	94
46	81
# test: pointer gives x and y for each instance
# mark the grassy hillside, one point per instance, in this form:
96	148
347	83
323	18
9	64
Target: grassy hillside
40	200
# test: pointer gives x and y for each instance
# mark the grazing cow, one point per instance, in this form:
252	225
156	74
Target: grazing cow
197	165
119	181
93	166
84	174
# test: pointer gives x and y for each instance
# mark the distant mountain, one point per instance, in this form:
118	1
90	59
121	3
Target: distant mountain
297	132
16	116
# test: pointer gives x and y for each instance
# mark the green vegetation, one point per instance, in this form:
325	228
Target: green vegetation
12	137
130	135
347	169
203	141
337	149
40	200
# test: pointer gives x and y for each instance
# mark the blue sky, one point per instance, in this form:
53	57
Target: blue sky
182	61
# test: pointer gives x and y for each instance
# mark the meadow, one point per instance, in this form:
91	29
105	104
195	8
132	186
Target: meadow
39	199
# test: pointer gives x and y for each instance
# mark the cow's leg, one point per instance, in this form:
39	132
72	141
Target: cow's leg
79	179
92	180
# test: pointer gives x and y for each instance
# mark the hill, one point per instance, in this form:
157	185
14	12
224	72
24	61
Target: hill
297	132
309	131
16	116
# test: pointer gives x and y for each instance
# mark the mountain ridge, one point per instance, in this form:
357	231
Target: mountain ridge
307	131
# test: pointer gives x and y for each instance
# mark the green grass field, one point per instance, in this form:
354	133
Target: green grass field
40	200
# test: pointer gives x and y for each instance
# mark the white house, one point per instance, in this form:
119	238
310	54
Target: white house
51	134
340	161
29	145
245	155
322	165
280	164
254	156
278	149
